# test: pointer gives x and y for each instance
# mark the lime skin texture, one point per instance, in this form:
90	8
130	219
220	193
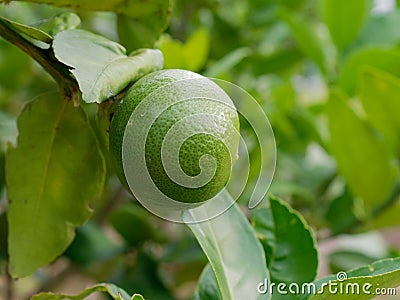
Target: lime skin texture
222	145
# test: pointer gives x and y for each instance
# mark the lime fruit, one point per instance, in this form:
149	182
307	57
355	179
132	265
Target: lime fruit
214	148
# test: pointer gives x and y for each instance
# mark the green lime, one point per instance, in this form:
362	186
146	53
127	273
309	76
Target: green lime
205	126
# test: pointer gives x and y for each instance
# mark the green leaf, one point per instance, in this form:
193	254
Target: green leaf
363	159
143	28
53	174
8	130
263	223
233	12
232	249
140	23
133	222
384	58
143	276
228	62
381	30
19	69
278	62
348	259
290	242
381	274
190	56
196	49
91	244
380	94
305	36
132	8
101	66
340	214
345	19
29	31
60	22
207	289
389	213
109	288
173	53
291	4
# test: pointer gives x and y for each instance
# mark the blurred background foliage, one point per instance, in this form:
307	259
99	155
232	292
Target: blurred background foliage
327	75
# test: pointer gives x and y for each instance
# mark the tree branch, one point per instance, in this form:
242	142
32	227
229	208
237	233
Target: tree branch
45	57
